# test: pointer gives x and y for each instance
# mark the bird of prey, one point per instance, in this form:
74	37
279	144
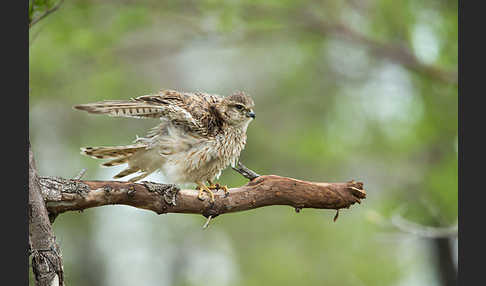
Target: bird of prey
200	134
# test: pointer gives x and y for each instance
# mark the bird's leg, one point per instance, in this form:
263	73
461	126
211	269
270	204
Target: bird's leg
217	186
203	188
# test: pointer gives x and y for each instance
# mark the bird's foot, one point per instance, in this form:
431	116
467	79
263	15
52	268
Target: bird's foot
217	186
203	188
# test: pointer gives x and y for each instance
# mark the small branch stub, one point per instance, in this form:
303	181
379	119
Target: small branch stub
206	224
336	216
80	175
245	172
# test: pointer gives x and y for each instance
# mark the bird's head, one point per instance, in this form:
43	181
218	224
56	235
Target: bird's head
237	109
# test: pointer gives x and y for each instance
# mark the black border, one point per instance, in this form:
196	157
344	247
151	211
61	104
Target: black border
471	124
14	127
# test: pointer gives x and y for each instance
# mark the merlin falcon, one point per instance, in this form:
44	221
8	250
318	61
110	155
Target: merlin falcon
199	135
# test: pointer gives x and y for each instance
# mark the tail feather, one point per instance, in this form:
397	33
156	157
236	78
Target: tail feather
121	155
112	152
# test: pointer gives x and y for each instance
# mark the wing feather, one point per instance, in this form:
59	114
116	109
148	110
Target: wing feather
183	109
127	108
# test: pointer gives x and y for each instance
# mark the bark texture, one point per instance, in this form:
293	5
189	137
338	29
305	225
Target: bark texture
63	195
46	259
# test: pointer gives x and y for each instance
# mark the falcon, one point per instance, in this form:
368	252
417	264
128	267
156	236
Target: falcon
200	134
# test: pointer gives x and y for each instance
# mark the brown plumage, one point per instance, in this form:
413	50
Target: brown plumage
200	135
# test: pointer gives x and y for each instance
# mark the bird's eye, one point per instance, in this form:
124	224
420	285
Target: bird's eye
239	107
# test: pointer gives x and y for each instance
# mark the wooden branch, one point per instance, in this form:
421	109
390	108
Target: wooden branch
63	195
46	259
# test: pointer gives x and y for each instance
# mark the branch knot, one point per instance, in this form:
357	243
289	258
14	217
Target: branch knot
168	191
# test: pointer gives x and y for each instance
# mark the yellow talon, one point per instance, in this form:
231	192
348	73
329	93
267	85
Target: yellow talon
226	191
217	186
203	188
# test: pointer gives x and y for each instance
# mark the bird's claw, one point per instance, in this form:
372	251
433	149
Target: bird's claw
217	186
200	197
203	188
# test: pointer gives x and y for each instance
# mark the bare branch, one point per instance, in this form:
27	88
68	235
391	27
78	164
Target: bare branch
63	195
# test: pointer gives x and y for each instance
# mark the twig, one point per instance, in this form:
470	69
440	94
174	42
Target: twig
421	230
207	221
33	38
336	216
245	172
46	13
81	174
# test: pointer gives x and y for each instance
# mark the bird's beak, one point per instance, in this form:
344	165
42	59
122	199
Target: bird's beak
251	114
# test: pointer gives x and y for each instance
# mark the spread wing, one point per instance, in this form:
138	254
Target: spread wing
189	110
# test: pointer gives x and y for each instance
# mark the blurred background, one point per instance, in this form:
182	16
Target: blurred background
363	90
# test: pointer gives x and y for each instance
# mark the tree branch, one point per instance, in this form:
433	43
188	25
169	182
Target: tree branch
307	20
394	52
46	259
63	195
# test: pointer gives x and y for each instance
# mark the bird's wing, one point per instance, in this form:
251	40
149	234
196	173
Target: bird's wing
183	109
